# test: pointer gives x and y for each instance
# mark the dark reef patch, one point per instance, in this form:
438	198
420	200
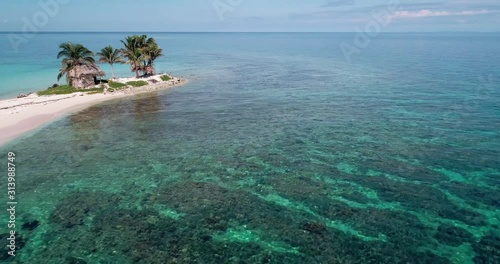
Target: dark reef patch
315	228
152	238
403	228
90	227
30	225
73	260
78	206
114	235
453	236
487	250
213	208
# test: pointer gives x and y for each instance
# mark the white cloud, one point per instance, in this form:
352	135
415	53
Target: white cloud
429	13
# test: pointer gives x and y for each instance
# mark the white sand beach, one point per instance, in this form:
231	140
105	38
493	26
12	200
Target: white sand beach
21	115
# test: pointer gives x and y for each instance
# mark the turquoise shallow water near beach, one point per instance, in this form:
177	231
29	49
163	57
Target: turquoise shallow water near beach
276	151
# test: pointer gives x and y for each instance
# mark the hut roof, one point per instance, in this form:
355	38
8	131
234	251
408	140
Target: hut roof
86	70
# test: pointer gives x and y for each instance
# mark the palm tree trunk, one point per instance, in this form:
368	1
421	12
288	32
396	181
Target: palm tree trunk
112	71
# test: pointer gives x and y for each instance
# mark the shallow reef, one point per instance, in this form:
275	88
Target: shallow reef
216	225
262	160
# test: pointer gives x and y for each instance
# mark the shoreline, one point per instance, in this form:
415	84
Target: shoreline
23	115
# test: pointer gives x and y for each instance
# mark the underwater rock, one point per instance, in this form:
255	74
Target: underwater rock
314	228
31	225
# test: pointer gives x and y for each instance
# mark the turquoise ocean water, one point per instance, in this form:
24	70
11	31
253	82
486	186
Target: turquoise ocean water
278	150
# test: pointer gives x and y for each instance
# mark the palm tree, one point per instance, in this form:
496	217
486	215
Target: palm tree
153	53
141	53
110	56
132	51
74	55
135	60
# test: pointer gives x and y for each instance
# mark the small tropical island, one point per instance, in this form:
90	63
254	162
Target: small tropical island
86	83
83	74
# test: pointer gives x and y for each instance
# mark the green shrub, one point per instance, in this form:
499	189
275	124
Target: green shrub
66	89
137	83
63	89
165	78
116	85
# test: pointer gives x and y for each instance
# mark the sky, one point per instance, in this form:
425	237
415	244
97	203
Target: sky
250	15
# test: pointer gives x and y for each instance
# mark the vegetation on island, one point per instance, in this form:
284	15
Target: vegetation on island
80	68
141	53
137	83
110	56
73	56
117	85
67	89
165	78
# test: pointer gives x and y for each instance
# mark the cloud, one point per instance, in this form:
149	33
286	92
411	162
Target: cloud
429	13
6	21
338	3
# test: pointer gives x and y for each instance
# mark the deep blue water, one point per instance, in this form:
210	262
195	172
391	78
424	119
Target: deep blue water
278	150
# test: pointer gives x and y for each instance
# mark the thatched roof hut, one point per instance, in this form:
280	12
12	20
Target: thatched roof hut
85	75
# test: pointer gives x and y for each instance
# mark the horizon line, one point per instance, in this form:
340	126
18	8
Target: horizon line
49	32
